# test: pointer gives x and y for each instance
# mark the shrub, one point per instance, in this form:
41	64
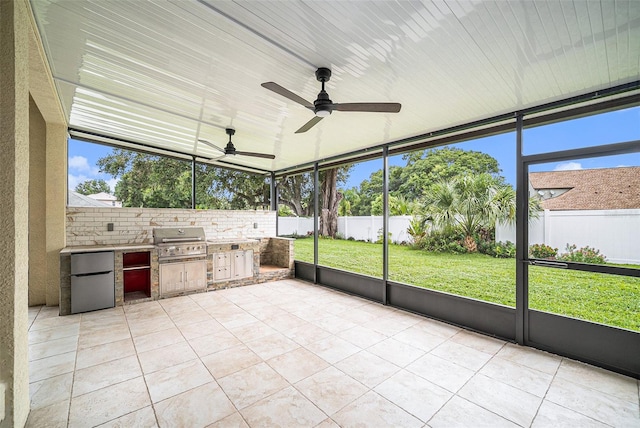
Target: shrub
444	241
542	251
501	250
582	255
379	240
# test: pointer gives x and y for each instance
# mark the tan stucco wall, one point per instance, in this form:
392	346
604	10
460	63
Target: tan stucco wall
14	182
37	206
24	73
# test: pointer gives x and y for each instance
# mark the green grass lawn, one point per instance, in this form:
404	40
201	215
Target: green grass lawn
608	299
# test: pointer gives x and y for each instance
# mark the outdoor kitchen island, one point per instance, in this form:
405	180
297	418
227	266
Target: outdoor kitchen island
229	263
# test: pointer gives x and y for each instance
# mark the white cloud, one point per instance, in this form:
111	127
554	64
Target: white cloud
112	184
568	166
79	163
74	180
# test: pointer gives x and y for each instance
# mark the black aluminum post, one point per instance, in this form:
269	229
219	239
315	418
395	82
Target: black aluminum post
385	223
316	181
273	195
273	192
522	196
193	182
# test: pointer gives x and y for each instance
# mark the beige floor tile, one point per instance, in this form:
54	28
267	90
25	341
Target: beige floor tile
438	328
552	415
367	368
358	316
372	410
414	394
460	413
234	420
201	328
306	334
521	377
481	342
462	355
533	358
49	391
331	390
362	337
150	325
265	312
284	322
45	335
105	335
333	349
167	356
595	404
327	423
212	343
252	384
54	321
108	403
286	408
252	331
441	372
103	353
399	353
236	320
52	416
105	374
390	325
159	339
191	317
177	379
509	402
297	364
53	347
143	418
331	323
197	407
228	361
603	380
272	346
51	366
418	337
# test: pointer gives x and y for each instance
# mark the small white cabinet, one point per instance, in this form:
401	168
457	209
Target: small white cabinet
232	265
178	277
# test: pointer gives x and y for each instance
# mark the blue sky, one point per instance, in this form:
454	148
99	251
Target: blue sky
613	127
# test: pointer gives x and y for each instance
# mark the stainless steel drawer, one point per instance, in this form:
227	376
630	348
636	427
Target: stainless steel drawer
82	263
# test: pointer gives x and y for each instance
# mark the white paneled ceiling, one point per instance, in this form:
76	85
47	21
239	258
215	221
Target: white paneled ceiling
167	73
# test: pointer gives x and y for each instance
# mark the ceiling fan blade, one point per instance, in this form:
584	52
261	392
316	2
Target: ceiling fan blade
369	107
307	126
255	155
272	86
205	142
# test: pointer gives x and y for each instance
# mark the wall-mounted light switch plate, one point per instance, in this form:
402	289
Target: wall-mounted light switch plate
255	225
110	227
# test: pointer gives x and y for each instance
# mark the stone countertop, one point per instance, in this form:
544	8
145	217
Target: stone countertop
232	241
114	247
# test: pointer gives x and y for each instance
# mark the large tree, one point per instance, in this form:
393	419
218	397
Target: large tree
423	168
91	187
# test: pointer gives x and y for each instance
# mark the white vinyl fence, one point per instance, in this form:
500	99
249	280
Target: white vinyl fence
365	228
616	233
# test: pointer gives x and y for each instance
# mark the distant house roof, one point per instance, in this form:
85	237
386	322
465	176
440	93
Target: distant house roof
589	189
102	196
79	200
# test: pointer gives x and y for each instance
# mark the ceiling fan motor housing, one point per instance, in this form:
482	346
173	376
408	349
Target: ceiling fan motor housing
323	103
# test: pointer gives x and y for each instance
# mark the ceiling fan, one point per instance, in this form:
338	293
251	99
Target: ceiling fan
323	106
230	149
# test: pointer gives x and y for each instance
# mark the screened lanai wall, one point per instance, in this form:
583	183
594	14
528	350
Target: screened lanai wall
531	314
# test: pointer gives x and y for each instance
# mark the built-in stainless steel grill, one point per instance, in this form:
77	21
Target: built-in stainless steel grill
175	243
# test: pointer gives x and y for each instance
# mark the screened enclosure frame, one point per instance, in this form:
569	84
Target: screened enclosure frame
605	346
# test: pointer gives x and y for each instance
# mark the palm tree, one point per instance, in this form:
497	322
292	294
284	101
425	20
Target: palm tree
469	203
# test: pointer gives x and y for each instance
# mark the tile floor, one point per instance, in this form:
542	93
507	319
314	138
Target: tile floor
291	354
